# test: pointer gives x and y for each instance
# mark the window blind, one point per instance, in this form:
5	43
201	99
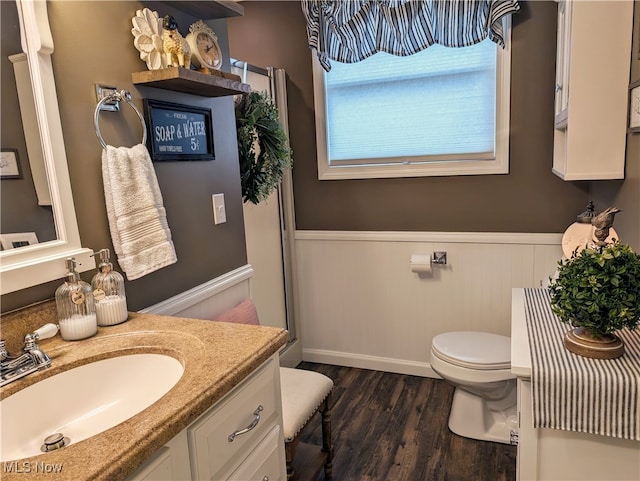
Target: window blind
438	104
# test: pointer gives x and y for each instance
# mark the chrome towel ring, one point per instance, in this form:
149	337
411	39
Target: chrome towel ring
117	96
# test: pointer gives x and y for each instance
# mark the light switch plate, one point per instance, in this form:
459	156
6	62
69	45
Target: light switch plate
219	213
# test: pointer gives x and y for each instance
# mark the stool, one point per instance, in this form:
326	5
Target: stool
305	393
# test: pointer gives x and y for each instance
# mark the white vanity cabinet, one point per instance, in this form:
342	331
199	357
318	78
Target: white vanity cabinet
553	454
169	463
253	411
591	92
238	439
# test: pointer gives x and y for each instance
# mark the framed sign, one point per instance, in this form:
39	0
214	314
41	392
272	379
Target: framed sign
9	164
19	239
178	132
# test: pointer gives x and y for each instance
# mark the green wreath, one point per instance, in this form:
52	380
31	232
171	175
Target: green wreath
263	147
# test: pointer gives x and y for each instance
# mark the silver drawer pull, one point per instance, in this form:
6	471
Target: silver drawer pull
253	424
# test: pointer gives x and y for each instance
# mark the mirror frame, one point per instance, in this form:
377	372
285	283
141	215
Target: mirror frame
32	265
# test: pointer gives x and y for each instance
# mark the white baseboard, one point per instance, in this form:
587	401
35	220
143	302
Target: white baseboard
363	361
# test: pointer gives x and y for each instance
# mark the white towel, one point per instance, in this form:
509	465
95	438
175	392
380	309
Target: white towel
137	219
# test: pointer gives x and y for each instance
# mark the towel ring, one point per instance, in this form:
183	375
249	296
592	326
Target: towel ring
117	96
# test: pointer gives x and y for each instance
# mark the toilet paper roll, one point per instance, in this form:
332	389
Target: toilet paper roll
421	263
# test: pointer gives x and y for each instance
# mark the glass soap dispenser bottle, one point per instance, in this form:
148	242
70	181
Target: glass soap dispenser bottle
108	292
75	306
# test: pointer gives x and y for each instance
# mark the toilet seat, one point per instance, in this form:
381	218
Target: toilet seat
473	350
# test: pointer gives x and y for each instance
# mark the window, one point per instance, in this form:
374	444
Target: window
443	111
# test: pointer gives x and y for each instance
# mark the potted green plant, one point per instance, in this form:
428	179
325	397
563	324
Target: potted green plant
597	291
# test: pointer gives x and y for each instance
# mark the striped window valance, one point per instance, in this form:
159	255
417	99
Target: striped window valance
349	31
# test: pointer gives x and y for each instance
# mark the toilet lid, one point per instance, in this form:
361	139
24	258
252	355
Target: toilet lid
474	350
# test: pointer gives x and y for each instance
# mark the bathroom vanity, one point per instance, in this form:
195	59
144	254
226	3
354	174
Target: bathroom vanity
554	454
211	448
222	420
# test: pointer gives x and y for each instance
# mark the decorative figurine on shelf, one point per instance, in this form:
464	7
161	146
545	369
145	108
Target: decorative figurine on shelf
602	223
176	48
147	38
206	55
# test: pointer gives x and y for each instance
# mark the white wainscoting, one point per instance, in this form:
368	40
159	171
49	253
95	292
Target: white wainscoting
361	306
208	300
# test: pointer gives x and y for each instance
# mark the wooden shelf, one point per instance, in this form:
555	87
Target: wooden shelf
214	84
208	10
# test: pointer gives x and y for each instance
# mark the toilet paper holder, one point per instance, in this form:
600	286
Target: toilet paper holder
421	263
439	257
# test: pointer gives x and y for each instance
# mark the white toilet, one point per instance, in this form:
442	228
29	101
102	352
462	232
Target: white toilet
478	364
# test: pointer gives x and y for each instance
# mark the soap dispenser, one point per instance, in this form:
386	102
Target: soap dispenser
75	306
108	292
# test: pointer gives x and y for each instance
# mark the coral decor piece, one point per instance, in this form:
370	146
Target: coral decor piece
176	49
147	33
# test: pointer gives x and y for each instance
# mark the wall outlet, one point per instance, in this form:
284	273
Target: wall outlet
219	213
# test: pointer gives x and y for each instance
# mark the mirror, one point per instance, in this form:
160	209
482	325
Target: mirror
26	215
36	263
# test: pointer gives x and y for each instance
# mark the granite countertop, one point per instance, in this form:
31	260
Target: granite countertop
216	357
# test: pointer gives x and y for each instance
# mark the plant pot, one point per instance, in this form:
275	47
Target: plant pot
584	343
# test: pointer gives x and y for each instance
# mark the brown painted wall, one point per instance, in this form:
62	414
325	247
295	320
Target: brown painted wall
529	199
93	43
626	194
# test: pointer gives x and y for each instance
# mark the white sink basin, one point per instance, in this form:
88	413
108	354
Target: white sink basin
83	401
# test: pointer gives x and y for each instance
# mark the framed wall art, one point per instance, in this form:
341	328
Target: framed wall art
634	107
9	164
18	239
178	132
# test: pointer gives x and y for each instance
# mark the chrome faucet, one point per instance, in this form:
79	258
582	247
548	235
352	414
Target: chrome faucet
33	359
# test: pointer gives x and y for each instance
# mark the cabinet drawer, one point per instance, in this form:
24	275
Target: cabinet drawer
266	462
254	406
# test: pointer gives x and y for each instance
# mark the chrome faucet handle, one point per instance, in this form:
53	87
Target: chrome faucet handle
39	358
45	332
32	360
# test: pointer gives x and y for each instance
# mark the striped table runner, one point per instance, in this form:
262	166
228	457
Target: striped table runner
576	393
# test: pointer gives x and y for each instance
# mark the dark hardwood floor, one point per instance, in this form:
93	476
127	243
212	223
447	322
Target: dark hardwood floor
393	427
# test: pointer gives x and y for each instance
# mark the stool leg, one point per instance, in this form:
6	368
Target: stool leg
289	452
327	446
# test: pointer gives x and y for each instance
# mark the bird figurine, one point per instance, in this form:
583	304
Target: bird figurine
176	48
602	223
